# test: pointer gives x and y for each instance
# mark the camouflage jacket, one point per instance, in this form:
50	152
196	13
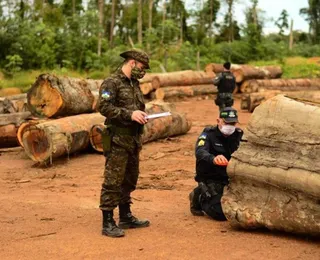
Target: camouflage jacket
119	96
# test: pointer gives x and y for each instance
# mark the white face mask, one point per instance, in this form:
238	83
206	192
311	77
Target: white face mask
227	129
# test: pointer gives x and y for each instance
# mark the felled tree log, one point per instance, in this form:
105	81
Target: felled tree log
9	92
177	124
246	72
176	92
148	77
251	101
275	176
9	124
53	96
214	67
52	139
27	126
182	78
184	91
146	88
280	84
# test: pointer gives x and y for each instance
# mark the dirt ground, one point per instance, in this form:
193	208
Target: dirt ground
52	213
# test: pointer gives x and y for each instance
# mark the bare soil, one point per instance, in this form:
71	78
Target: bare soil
52	212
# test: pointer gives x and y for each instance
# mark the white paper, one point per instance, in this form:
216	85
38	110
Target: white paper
158	115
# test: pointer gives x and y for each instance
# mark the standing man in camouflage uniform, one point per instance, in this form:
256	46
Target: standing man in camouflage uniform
226	84
121	102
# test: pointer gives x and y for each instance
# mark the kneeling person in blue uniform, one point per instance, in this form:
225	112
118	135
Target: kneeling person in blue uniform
213	152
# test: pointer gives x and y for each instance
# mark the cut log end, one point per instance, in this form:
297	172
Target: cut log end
36	144
46	101
96	138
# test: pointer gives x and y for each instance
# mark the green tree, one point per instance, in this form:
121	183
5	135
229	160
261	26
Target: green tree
312	15
282	23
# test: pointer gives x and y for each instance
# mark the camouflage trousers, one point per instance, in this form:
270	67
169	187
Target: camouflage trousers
120	177
224	100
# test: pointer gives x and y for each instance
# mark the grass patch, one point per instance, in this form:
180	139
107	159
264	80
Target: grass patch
25	79
295	67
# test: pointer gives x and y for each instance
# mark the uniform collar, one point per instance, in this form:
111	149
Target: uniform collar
123	76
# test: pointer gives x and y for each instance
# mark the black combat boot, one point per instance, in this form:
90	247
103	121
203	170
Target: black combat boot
127	220
109	227
195	207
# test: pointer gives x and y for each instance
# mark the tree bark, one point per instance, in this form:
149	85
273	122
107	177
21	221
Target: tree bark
280	84
275	175
53	96
291	36
55	138
182	78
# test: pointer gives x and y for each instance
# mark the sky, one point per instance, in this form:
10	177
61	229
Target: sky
272	9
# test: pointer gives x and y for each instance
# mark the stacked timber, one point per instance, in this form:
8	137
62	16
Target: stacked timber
251	86
251	100
275	175
176	124
246	72
9	124
179	84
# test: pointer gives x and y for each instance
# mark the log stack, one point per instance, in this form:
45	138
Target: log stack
275	175
252	100
280	84
246	72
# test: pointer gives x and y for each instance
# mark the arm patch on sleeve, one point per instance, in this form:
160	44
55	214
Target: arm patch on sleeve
106	95
201	143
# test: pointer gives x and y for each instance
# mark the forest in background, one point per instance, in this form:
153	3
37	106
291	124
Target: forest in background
85	37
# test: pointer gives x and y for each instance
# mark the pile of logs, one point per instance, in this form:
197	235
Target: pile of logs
275	175
62	119
179	84
246	72
251	86
251	101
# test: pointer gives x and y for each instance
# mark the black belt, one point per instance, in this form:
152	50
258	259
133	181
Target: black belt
132	131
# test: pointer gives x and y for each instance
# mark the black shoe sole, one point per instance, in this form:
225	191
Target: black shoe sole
129	225
110	235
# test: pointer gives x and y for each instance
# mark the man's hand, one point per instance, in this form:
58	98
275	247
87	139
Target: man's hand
139	116
220	160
